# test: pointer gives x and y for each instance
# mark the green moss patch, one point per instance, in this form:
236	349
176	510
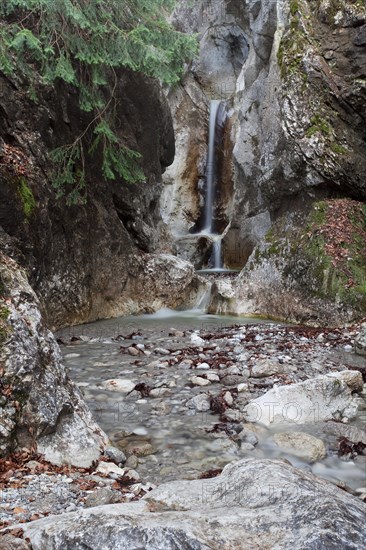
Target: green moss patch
336	243
326	255
27	197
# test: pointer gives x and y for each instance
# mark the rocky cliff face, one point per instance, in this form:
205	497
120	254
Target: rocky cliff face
40	408
82	259
297	119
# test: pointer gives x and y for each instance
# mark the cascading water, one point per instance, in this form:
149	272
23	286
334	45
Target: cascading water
211	182
211	169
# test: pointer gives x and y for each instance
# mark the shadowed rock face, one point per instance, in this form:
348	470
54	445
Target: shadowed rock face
253	503
41	408
80	258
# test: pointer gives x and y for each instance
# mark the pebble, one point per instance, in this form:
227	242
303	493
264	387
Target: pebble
212	377
119	385
198	381
133	351
197	340
203	366
160	392
200	403
116	455
108	468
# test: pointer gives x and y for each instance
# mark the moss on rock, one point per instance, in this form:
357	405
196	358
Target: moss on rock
325	257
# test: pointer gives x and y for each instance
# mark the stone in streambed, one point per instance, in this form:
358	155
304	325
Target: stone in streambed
200	403
119	385
139	449
114	454
108	468
301	444
266	368
360	341
326	397
197	340
198	381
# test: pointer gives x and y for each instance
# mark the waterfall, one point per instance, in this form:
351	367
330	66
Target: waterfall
211	168
216	256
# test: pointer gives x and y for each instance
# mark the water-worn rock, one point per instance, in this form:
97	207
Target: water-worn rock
199	381
323	398
301	444
264	368
108	468
114	454
360	341
42	407
200	403
239	508
119	385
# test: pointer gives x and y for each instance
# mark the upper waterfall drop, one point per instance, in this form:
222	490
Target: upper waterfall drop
211	168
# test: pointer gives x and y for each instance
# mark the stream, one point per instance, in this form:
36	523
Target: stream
164	438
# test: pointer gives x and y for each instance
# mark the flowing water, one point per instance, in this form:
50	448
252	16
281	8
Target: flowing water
211	169
182	445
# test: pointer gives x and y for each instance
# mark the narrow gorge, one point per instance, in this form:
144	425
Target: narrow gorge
183	274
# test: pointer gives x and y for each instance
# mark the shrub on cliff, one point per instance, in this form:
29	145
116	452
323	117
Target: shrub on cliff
83	42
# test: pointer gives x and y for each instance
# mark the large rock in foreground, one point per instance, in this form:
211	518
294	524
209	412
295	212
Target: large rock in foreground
252	504
41	408
326	397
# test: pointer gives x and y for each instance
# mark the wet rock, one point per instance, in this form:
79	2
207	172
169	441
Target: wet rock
360	341
247	436
301	444
197	340
198	381
200	403
139	449
234	415
132	462
228	398
108	468
133	351
212	377
160	392
266	368
114	454
192	514
162	351
352	433
202	366
323	398
232	380
119	385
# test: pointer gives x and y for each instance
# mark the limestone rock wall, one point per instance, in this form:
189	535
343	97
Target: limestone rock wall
40	407
297	132
82	258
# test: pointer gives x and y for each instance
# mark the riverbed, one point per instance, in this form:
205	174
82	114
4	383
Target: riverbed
154	358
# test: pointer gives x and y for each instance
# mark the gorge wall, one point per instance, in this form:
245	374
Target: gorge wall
293	77
92	260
